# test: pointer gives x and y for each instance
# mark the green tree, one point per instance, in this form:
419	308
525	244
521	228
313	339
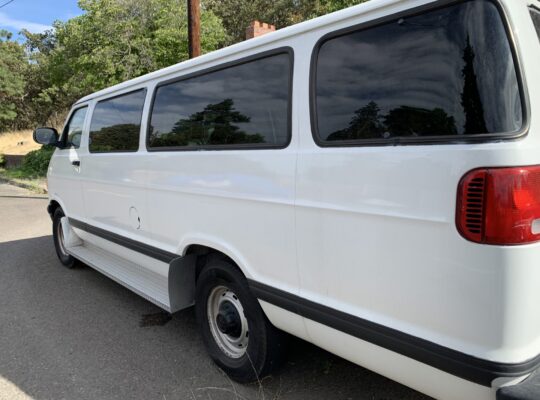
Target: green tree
116	40
12	68
237	14
113	41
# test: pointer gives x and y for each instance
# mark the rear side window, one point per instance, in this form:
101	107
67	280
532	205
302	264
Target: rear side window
427	76
535	13
74	128
116	123
245	105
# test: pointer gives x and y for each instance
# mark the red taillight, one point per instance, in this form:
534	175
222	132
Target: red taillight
500	205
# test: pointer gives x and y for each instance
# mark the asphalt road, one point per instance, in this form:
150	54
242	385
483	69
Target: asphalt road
75	334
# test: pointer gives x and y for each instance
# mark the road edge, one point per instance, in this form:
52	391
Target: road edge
35	188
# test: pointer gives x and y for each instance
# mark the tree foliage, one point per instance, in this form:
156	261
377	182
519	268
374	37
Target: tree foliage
12	69
116	40
113	41
237	14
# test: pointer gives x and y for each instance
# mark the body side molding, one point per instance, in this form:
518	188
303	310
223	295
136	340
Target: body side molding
131	244
462	365
465	366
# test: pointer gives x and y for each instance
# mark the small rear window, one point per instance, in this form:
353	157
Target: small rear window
426	76
535	13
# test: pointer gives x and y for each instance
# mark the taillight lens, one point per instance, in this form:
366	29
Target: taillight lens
500	205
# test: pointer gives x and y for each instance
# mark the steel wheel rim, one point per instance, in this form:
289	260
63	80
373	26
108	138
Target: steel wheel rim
60	235
222	301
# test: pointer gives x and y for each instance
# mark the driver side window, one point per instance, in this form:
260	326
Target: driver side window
73	130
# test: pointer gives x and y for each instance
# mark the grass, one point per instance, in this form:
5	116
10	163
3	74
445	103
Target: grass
19	177
17	142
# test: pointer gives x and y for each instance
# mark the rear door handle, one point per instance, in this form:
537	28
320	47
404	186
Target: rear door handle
76	163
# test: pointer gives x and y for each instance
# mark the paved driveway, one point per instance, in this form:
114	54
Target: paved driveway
74	334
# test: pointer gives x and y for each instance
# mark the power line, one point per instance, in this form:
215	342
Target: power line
6	3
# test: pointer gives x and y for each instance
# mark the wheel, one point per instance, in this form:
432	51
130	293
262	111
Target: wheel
58	237
237	334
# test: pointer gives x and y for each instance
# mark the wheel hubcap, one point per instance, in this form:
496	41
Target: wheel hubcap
227	322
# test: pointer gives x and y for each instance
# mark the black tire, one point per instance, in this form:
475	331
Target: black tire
266	346
67	260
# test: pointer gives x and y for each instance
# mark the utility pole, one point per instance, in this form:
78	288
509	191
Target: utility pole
194	28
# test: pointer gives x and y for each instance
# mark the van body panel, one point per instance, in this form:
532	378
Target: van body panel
369	218
63	177
115	193
251	201
64	181
353	204
366	231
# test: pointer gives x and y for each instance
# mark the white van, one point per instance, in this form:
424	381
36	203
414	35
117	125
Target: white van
368	181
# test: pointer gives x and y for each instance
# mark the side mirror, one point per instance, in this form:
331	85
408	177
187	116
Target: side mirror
46	136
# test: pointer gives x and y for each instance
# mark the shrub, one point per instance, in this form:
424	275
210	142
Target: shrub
2	161
36	162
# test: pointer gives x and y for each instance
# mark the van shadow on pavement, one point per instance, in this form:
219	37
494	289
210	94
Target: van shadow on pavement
76	334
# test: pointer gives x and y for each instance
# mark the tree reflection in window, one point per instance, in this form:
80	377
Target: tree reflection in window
403	121
430	74
470	98
368	123
121	137
245	105
215	125
116	123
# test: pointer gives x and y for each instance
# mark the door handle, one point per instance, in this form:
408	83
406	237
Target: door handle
76	163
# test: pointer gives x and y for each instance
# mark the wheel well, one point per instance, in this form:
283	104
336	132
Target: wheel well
52	207
203	253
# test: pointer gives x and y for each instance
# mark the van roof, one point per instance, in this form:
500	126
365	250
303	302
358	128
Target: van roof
254	43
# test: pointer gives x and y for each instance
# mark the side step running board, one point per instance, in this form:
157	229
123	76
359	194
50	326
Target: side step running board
152	287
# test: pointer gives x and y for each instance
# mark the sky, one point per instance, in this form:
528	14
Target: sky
35	15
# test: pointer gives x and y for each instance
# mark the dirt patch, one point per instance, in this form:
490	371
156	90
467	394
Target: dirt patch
17	143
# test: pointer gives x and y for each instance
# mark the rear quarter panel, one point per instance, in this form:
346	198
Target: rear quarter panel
377	236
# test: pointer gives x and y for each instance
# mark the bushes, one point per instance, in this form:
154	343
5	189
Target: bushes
36	162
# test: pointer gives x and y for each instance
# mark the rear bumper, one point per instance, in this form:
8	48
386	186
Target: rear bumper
529	389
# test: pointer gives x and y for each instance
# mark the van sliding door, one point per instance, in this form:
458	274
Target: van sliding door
114	175
221	170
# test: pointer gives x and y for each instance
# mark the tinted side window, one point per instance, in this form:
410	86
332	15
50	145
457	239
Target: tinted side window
74	128
242	105
116	123
433	74
535	13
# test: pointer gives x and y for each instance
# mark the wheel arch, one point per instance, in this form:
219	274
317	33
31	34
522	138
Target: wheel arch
54	204
203	247
52	207
184	271
203	253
